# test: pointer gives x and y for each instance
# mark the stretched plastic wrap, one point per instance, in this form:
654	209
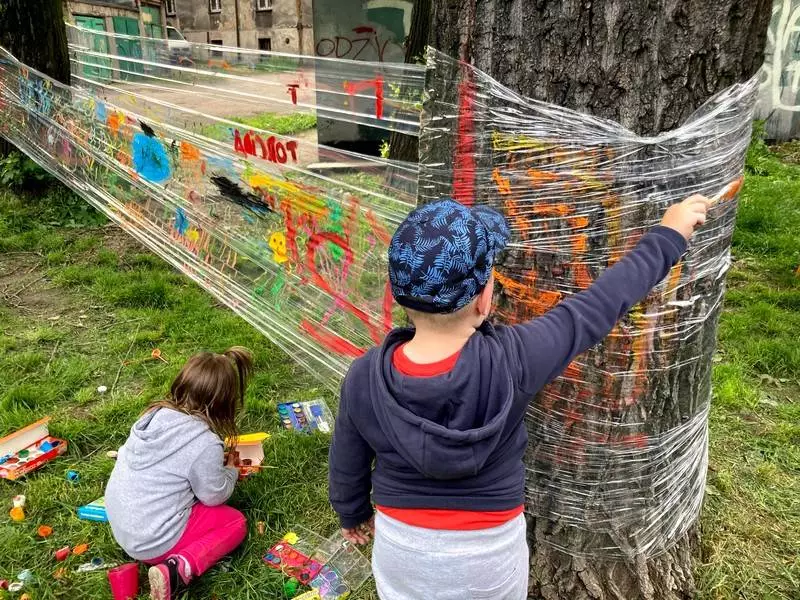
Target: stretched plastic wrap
618	444
292	235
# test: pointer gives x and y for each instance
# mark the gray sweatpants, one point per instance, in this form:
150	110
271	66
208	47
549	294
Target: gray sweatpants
413	563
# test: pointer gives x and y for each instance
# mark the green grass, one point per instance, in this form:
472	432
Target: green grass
751	518
279	124
104	300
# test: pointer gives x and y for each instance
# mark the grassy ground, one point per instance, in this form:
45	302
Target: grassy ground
279	124
82	306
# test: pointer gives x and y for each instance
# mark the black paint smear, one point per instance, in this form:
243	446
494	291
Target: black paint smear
232	192
148	131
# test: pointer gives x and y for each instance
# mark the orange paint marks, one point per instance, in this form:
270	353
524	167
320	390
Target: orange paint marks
536	302
189	152
552	210
580	245
538	176
503	183
114	122
579	222
573	371
582	277
674	278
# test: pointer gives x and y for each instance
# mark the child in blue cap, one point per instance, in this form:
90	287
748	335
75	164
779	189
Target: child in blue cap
431	421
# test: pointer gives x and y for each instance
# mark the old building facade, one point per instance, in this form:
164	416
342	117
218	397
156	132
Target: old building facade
129	17
277	25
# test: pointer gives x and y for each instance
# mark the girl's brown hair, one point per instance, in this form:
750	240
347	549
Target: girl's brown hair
211	387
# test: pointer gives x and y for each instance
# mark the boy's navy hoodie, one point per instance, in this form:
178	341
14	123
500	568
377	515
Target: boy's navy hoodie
457	440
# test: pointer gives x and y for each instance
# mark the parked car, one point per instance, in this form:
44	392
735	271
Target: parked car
178	46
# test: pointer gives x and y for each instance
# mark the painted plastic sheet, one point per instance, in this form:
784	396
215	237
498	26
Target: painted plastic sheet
618	444
292	235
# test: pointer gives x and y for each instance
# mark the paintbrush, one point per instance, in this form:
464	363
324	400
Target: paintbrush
728	192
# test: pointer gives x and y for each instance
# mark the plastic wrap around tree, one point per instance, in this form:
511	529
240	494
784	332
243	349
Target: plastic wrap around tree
617	455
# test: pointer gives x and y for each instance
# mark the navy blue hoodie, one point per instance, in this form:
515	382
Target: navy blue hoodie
457	440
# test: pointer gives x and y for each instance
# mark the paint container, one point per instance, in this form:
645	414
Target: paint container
73	476
15	587
17	514
44	531
102	389
62	554
80	549
18	501
124	581
25	575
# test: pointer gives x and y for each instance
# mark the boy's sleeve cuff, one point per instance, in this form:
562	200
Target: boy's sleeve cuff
351	521
672	242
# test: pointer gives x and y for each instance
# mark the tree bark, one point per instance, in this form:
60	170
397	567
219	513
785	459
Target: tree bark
34	32
402	146
647	65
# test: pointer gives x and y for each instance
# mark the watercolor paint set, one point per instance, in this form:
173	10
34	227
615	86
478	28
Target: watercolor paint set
306	416
333	567
28	449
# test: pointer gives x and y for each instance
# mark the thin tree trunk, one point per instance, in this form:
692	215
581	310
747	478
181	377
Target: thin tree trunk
402	146
647	65
34	32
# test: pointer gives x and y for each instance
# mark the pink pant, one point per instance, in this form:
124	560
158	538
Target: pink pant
211	533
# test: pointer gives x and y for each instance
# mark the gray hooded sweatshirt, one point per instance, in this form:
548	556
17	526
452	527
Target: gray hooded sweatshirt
169	462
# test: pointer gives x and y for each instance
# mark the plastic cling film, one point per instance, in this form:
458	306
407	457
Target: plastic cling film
617	444
292	235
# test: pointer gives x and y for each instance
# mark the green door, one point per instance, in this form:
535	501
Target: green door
98	67
151	17
126	47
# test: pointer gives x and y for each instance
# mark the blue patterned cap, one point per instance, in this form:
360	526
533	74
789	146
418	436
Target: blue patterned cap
441	256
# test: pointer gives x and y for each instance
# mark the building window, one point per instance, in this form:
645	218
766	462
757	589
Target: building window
265	44
263	4
171	12
214	6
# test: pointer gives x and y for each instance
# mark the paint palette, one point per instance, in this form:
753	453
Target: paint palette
332	566
346	569
28	449
292	556
306	416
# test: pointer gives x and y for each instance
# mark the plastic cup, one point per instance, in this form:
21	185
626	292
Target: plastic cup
124	581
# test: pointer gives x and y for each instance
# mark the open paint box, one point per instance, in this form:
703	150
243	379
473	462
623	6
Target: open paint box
332	567
28	449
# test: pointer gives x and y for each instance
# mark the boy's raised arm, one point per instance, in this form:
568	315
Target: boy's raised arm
350	469
541	349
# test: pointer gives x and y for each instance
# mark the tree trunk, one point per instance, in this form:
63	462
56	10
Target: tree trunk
34	32
402	146
649	66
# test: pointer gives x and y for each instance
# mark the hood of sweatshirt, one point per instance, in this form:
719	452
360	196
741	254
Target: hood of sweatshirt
158	435
446	426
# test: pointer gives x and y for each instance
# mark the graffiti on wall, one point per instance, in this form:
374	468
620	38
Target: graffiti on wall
779	92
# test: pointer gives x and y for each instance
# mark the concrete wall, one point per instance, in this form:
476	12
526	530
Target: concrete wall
280	24
372	30
779	99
